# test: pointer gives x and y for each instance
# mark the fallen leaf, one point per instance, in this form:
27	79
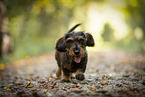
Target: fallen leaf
103	77
105	89
53	85
45	90
79	86
140	77
33	89
126	75
41	81
50	78
125	83
119	84
29	85
68	87
2	66
92	88
104	82
8	86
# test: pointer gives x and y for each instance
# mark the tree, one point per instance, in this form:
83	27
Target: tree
2	17
108	33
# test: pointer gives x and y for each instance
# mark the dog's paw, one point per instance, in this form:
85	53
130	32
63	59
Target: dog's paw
58	77
65	80
72	76
80	76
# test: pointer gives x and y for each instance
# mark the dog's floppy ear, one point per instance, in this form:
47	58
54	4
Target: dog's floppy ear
60	45
90	40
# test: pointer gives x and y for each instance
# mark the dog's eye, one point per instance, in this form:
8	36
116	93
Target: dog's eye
69	41
81	40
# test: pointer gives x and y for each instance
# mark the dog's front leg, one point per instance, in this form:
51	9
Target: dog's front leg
58	73
66	75
80	74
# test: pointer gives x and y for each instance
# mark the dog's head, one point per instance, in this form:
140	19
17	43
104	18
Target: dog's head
75	42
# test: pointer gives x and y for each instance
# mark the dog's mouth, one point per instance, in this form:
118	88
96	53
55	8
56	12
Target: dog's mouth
77	59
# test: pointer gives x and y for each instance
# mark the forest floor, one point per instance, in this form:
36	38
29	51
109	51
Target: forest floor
108	73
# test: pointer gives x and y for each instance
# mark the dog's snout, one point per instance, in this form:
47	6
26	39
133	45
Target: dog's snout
76	51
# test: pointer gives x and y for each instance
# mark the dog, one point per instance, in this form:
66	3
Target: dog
71	54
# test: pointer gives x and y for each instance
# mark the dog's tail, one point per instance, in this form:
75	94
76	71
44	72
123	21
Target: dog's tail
73	28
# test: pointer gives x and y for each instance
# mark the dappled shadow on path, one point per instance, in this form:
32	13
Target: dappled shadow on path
108	73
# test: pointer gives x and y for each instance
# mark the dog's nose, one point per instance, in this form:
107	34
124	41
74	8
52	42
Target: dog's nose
76	52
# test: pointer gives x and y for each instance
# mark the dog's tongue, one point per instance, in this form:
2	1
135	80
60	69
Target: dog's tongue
77	59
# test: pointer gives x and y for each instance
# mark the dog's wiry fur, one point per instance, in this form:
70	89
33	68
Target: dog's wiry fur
71	54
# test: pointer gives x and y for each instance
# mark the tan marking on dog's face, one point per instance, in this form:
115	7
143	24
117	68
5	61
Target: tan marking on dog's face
71	53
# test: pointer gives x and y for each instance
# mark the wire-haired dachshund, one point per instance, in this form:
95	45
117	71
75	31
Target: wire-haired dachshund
71	54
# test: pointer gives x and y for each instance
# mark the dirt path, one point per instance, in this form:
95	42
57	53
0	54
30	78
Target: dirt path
110	73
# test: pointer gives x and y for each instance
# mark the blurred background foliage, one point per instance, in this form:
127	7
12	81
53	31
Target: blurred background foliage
35	25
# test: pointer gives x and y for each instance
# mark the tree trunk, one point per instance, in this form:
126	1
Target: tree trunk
2	17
